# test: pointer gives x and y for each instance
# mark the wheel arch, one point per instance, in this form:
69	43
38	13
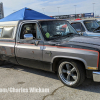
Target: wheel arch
56	59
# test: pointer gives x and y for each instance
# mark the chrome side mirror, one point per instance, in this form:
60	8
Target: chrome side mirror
28	36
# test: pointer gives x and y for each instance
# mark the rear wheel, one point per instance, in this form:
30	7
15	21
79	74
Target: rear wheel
71	73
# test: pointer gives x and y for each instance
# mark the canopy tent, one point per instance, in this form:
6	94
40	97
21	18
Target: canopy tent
25	14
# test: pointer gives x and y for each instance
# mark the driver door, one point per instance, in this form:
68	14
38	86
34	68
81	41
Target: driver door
28	51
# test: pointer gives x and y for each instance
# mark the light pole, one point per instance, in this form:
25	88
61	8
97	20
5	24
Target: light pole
75	10
93	7
43	10
58	10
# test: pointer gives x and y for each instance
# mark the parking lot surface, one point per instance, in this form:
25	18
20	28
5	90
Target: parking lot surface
14	76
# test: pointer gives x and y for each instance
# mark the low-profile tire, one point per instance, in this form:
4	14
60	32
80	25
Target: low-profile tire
71	73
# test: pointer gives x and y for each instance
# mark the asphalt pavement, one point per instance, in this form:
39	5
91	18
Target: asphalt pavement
14	77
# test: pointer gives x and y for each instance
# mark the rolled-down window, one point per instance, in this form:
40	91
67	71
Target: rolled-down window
7	32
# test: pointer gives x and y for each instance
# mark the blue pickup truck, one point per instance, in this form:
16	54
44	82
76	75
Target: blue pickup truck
86	27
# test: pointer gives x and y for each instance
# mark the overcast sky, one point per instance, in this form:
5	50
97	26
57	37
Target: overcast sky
66	6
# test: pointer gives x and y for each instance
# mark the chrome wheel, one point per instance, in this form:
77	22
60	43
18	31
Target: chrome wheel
68	73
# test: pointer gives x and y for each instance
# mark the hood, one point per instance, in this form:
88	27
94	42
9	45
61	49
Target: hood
86	40
77	41
93	33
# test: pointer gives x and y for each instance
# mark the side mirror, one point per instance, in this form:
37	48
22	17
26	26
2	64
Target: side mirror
28	36
78	30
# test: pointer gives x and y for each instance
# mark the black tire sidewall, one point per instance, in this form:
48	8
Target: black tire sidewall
79	72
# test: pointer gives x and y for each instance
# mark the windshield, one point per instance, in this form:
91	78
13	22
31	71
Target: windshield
54	29
91	25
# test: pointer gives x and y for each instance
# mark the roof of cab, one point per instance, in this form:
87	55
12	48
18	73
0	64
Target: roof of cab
15	23
80	20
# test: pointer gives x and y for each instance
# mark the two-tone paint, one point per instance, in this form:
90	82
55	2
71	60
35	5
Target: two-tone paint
43	55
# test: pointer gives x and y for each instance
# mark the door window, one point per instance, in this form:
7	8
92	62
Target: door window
7	32
31	29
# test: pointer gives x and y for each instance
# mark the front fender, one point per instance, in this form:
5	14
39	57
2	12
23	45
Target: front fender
69	57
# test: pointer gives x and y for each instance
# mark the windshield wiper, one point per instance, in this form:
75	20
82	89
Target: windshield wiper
96	29
67	35
71	34
56	35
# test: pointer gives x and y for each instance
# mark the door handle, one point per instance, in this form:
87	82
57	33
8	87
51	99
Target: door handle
18	41
50	53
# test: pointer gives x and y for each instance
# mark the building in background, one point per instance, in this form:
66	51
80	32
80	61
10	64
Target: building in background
73	16
1	11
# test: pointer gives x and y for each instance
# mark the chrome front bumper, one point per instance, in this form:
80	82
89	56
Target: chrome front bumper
96	76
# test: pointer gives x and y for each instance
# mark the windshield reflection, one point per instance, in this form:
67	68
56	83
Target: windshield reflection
91	25
56	29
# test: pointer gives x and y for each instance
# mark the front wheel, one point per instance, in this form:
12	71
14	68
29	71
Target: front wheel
71	73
